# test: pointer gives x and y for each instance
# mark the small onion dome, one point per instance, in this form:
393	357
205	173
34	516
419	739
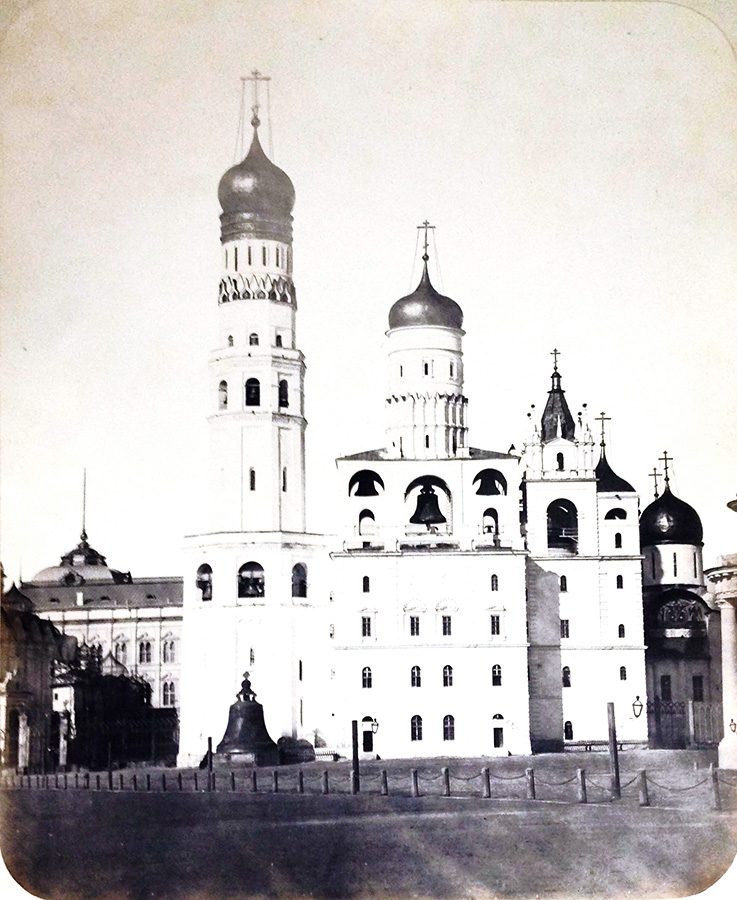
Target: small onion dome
608	480
669	520
256	186
425	306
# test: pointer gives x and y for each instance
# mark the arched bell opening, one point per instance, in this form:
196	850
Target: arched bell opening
203	582
563	526
367	732
490	522
428	505
366	523
299	580
365	483
251	581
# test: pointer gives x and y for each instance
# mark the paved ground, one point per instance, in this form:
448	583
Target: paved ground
226	846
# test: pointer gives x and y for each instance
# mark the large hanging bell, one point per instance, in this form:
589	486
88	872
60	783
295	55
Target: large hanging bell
428	511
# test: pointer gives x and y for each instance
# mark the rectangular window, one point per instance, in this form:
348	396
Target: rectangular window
277	256
698	688
284	479
498	737
414	626
675	564
263	254
235	257
451	370
250	259
366	626
496	624
665	692
446	625
564	629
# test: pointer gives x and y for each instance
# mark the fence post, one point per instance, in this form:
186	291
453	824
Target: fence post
300	782
196	785
179	781
56	781
97	781
642	786
109	766
485	783
713	773
530	775
355	786
135	782
581	776
232	781
445	771
213	782
76	780
163	781
275	776
613	754
65	781
209	764
254	781
384	783
148	781
414	783
120	781
325	785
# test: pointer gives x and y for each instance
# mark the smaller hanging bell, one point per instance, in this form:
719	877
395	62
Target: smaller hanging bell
428	510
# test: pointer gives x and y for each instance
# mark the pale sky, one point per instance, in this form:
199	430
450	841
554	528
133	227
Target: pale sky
579	162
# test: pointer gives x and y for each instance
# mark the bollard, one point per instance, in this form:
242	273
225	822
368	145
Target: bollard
275	777
446	781
56	781
355	787
110	779
120	781
97	781
65	781
76	780
196	786
581	776
642	786
384	788
148	781
135	782
163	781
232	781
300	782
179	781
325	785
485	783
414	783
713	773
38	781
530	774
254	782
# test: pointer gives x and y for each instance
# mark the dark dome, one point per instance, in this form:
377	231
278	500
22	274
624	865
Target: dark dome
425	306
669	520
256	186
608	480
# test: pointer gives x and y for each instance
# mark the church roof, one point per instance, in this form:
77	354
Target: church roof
425	306
669	520
608	480
473	453
557	421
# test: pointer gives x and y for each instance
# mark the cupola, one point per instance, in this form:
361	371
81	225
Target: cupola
669	520
608	480
425	306
557	421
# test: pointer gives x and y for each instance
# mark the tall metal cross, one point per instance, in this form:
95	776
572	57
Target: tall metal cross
555	354
603	419
665	459
655	475
255	77
428	227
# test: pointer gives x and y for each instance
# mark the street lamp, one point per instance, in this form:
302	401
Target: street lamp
374	726
733	725
637	707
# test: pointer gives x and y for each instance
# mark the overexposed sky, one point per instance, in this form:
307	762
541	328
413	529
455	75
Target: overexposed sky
578	160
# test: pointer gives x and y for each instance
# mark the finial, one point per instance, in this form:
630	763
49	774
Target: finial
555	354
255	77
655	475
603	419
83	535
428	227
665	459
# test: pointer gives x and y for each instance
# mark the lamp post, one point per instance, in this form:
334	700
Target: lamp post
637	707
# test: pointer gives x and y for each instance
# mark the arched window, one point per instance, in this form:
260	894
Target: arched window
447	676
561	461
416	676
490	482
168	652
366	522
566	676
623	673
490	521
144	652
223	395
563	525
278	341
121	652
495	582
366	678
620	582
496	676
203	582
618	541
283	394
299	580
621	631
568	731
253	392
253	340
365	483
169	696
252	479
251	582
498	730
366	584
416	728
449	728
563	584
616	513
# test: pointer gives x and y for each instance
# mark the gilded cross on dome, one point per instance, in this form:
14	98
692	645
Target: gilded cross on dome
255	77
665	459
428	227
603	419
555	354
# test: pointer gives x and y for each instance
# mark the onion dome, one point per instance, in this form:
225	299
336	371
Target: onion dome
256	197
608	480
425	306
81	565
669	520
557	421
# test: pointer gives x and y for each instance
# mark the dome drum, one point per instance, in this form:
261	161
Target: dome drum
237	225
